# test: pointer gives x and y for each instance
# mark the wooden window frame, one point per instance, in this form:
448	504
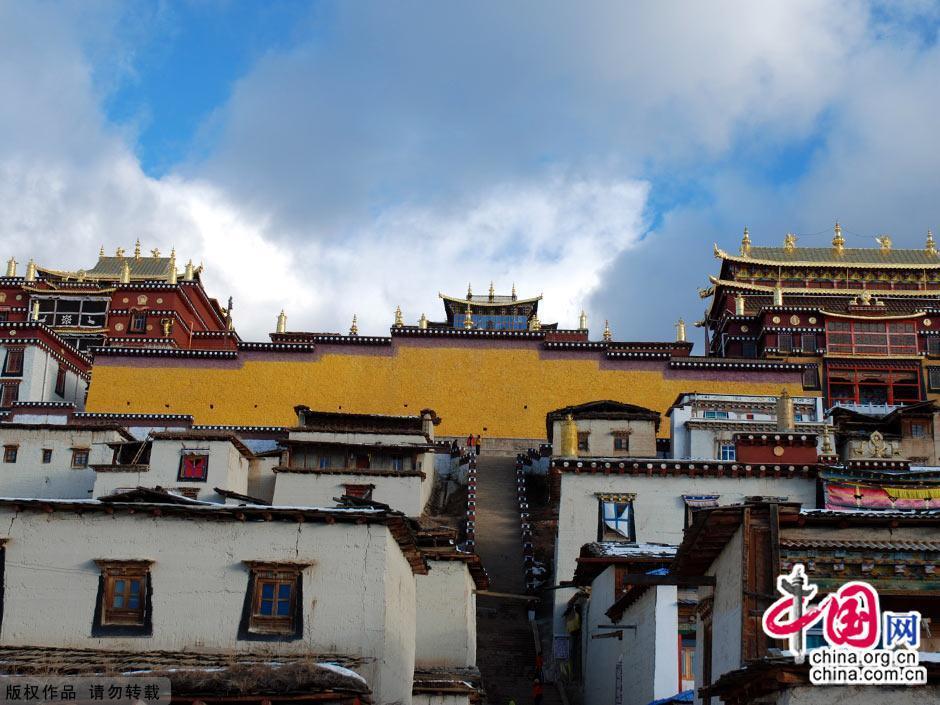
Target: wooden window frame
10	452
17	353
855	374
603	500
77	454
45	456
205	475
123	621
132	324
8	398
257	626
60	379
584	440
933	370
361	491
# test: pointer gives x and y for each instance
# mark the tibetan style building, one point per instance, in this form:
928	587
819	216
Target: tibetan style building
127	300
864	320
492	312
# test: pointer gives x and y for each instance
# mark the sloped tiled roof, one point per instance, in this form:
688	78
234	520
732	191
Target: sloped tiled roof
857	256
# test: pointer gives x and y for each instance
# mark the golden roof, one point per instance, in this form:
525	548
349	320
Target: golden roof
876	257
486	301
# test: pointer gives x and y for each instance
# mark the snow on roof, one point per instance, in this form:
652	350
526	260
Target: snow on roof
614	548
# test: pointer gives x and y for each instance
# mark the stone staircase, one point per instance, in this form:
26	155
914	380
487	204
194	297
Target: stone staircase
505	644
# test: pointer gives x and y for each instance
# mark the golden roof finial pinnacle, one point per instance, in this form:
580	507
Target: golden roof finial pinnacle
188	272
125	273
137	249
514	291
746	243
119	252
155	252
171	269
354	328
680	331
11	267
399	321
582	321
789	242
101	251
838	242
884	243
281	322
778	295
423	322
607	334
30	271
469	291
468	318
492	294
931	246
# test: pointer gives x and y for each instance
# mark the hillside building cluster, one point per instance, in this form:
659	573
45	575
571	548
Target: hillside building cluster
299	519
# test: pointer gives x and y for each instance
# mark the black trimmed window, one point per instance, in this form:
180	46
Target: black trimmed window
784	342
138	323
811	377
194	467
60	381
13	362
808	342
124	606
273	609
933	345
73	313
615	517
933	379
9	393
621	441
46	456
584	440
9	453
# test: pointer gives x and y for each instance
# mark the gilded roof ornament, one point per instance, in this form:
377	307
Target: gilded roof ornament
354	328
826	442
930	246
171	268
534	323
778	295
101	251
739	304
884	242
34	313
706	292
155	252
513	295
838	242
119	252
582	321
137	249
469	291
569	437
125	273
492	294
399	321
281	322
680	331
423	322
30	271
607	335
468	318
789	242
11	267
746	243
188	272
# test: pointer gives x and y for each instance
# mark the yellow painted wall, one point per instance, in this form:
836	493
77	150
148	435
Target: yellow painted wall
499	392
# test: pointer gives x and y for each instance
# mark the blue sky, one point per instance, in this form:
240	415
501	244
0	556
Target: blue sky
334	158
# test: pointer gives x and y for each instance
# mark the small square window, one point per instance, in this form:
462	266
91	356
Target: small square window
9	453
138	323
784	342
324	462
714	414
933	345
46	456
616	518
748	348
918	429
398	463
13	364
273	604
583	440
124	598
79	457
194	467
726	452
808	342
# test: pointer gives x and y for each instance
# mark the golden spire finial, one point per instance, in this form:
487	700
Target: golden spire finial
680	331
569	437
838	242
469	291
34	314
778	295
582	320
423	322
171	270
789	242
739	304
101	251
534	323
137	249
399	321
188	272
30	271
607	335
125	273
514	297
281	322
155	252
884	242
931	246
492	294
746	243
119	252
354	328
11	267
826	442
468	318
